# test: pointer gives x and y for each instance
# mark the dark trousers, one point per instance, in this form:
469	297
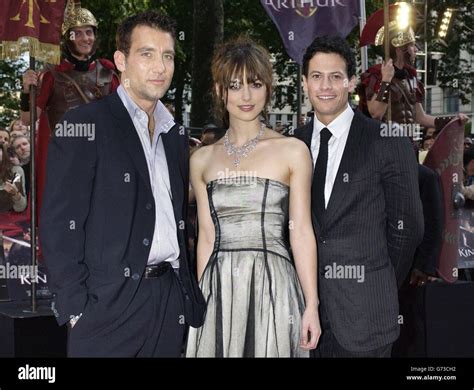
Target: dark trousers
412	340
328	347
151	326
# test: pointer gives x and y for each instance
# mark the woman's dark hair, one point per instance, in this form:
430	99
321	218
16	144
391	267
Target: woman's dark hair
231	61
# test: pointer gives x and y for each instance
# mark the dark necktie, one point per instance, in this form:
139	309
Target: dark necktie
320	170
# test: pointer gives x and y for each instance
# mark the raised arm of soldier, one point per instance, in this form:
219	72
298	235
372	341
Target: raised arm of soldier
377	107
438	123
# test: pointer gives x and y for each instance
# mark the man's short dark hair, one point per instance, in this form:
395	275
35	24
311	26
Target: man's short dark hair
151	19
329	45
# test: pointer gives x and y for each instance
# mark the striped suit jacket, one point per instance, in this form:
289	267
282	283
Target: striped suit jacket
368	235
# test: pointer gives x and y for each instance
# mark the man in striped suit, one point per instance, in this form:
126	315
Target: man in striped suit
367	213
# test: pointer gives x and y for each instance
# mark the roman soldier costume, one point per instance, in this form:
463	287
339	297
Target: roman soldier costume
68	85
405	88
74	82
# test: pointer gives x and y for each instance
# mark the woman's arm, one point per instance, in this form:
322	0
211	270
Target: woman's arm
302	239
206	234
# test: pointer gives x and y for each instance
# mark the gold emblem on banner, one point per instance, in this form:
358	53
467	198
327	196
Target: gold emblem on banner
305	11
32	5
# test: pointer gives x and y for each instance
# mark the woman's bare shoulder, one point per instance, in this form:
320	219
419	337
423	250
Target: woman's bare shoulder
289	144
203	154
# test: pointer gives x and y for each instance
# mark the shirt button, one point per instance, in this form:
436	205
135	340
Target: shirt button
135	276
148	206
146	241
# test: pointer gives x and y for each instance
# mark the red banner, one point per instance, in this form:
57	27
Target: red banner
37	20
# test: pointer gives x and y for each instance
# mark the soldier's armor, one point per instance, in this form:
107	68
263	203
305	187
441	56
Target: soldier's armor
94	84
403	96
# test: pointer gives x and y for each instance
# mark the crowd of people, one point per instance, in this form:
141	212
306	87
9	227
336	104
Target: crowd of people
14	167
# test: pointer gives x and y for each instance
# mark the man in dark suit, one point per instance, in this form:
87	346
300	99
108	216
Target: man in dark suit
114	212
367	213
427	253
412	307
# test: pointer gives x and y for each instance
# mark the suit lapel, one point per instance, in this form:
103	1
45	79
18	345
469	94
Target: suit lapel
170	144
126	129
346	169
305	134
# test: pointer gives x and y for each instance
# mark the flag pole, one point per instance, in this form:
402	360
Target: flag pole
362	22
386	35
34	265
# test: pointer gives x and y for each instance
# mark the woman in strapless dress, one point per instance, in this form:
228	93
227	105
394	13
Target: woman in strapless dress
253	195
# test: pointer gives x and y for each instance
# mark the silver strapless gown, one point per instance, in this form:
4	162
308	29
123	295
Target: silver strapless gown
254	299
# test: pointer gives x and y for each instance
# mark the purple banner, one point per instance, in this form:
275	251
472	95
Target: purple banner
300	21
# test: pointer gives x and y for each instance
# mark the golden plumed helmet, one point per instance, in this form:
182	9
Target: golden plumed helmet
76	16
398	38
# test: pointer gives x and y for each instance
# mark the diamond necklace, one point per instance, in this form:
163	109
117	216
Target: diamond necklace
245	149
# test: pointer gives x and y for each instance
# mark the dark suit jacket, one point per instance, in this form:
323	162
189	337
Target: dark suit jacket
426	256
98	214
374	219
